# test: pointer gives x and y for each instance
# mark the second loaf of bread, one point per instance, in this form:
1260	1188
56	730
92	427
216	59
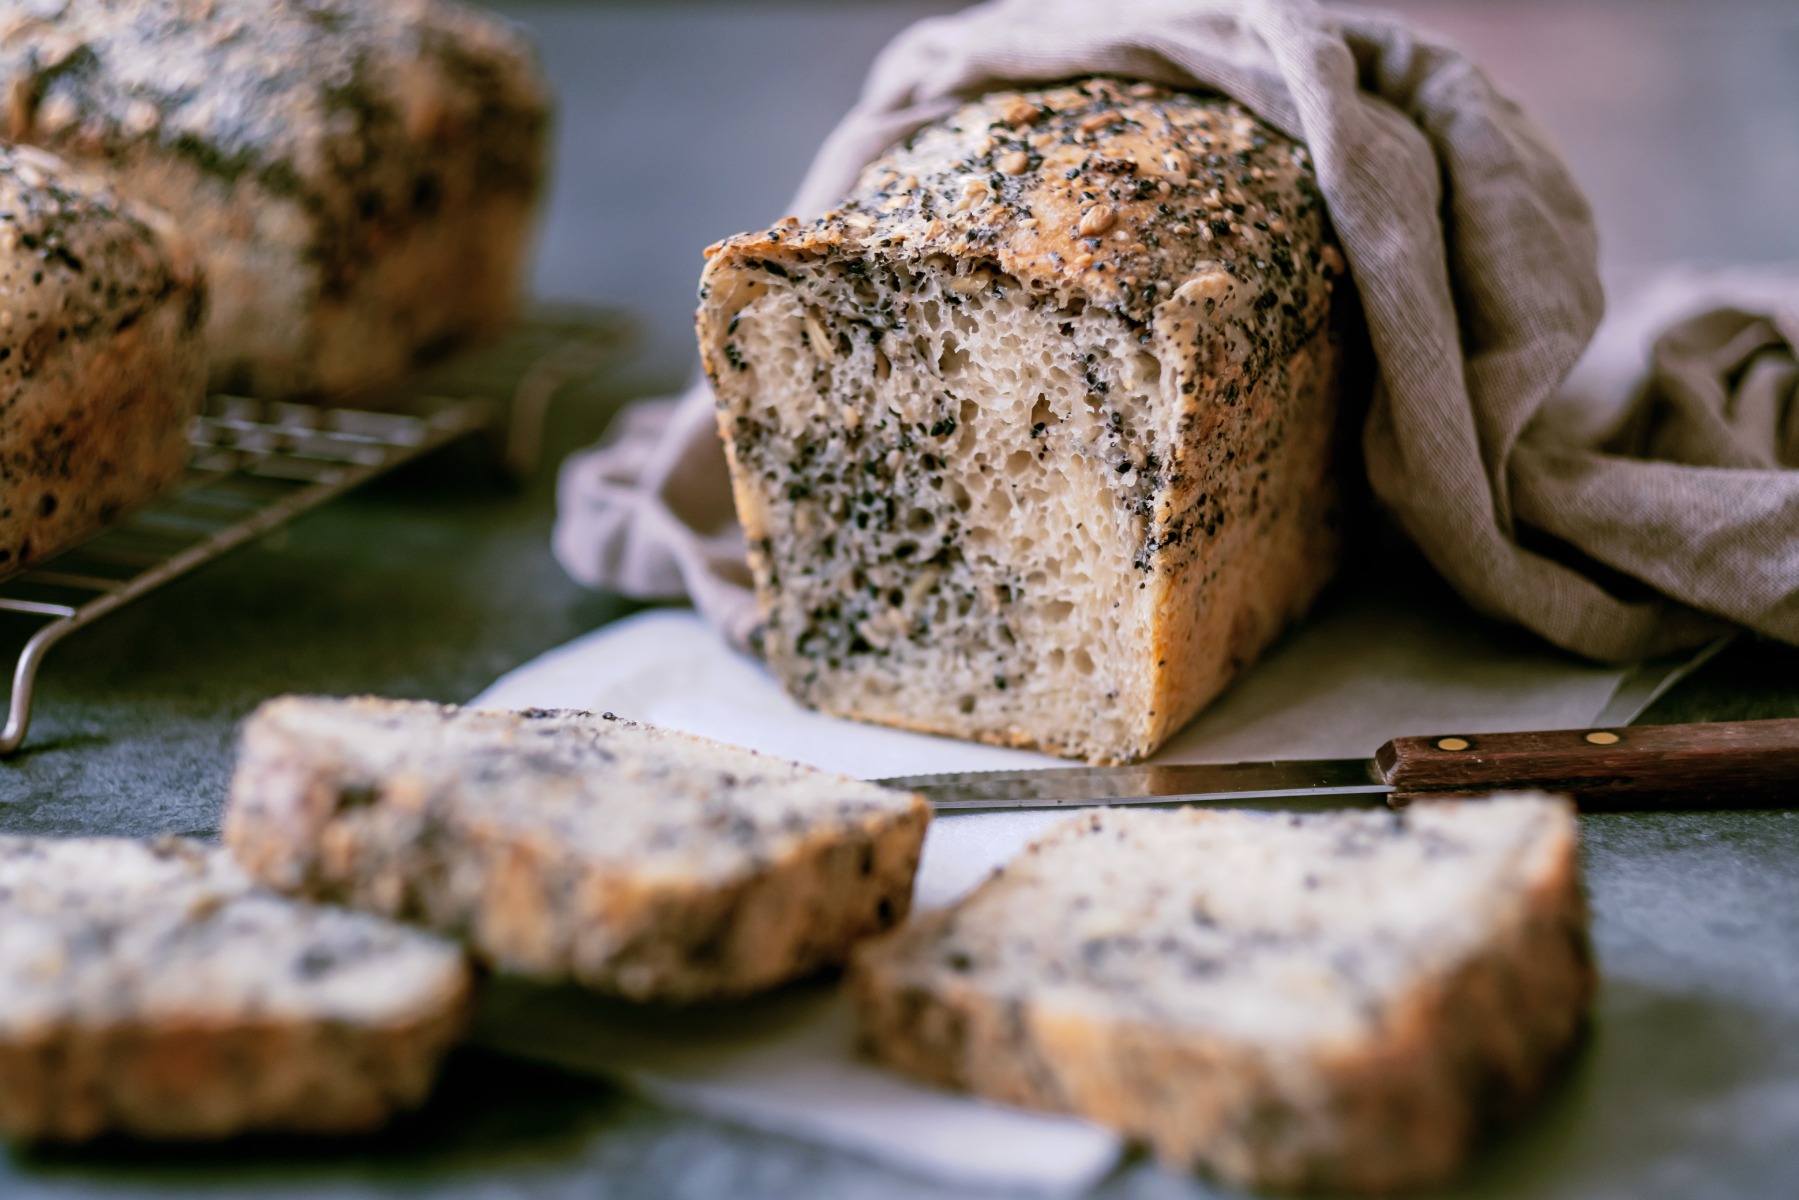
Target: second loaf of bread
360	178
1032	437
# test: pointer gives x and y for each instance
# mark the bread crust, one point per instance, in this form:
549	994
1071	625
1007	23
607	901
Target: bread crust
516	881
197	1081
91	1041
1202	230
936	195
1400	1108
361	179
102	362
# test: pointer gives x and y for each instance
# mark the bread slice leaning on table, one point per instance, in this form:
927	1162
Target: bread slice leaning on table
1335	1002
1032	436
102	360
568	846
151	989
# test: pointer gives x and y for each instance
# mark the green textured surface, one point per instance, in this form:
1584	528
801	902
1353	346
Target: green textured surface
682	124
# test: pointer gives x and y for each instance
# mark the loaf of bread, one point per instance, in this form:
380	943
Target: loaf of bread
563	845
360	177
102	361
151	989
1032	437
1335	1002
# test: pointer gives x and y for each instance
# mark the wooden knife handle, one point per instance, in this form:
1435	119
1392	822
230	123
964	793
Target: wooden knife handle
1738	764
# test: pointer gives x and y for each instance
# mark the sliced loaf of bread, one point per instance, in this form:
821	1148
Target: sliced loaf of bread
1335	1001
151	989
564	845
1033	435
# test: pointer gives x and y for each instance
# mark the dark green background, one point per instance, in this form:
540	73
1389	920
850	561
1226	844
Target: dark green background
681	123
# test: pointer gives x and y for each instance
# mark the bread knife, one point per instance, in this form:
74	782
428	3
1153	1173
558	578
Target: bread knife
1736	764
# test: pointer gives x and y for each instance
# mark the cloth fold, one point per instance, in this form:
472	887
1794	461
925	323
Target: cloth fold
1475	257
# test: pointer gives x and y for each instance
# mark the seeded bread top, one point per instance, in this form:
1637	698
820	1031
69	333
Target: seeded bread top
1114	193
75	260
1281	929
652	804
98	930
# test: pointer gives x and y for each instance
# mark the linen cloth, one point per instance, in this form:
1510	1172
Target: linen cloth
1475	257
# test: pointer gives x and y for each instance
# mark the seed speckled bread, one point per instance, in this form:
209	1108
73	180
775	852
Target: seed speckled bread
1337	1001
152	989
102	364
360	177
564	845
1032	437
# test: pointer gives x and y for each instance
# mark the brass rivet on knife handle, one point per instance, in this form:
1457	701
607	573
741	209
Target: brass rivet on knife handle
1453	743
1737	764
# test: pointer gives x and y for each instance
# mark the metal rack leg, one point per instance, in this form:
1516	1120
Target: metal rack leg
24	679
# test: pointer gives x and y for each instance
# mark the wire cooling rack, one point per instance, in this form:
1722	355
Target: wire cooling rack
257	465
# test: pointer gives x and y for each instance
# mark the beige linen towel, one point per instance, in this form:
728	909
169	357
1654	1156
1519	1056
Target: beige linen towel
1474	254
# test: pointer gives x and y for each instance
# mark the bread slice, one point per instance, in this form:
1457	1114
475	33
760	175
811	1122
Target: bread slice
102	358
1337	1001
151	989
1031	438
564	845
361	178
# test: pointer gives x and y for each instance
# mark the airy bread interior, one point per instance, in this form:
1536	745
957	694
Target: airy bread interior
959	509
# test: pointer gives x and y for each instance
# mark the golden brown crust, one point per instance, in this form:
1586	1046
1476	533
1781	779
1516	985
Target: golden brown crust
1274	531
172	1081
1124	192
101	356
